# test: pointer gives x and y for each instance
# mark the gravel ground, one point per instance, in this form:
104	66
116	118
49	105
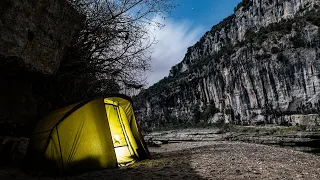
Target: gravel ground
207	160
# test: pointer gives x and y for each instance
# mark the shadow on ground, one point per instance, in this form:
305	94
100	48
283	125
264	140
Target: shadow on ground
173	165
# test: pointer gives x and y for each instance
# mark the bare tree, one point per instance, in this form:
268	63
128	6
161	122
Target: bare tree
114	46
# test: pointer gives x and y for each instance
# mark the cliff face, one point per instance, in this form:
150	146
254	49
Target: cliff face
33	38
249	15
259	65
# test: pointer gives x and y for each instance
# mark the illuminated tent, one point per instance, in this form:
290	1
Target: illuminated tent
96	134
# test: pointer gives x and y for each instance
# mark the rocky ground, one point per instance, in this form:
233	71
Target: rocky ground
207	160
294	137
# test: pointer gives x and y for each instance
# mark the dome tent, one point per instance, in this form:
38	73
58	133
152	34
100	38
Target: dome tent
95	134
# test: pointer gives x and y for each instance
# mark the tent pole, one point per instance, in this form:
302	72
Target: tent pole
61	170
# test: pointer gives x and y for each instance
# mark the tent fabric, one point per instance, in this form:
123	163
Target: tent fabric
91	135
126	104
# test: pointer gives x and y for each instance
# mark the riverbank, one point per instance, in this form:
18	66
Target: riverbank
294	137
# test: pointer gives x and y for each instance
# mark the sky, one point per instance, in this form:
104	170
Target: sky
184	26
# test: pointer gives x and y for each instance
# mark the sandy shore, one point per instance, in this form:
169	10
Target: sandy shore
207	160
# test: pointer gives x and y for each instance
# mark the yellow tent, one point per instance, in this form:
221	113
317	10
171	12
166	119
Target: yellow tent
95	134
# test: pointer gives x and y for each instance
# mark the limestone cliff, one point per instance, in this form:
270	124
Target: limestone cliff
259	65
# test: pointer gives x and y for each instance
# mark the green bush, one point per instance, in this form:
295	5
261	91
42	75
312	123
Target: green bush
209	110
313	17
275	50
298	41
246	4
196	114
263	56
282	58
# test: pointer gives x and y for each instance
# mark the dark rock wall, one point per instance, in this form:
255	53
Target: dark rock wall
34	34
33	39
